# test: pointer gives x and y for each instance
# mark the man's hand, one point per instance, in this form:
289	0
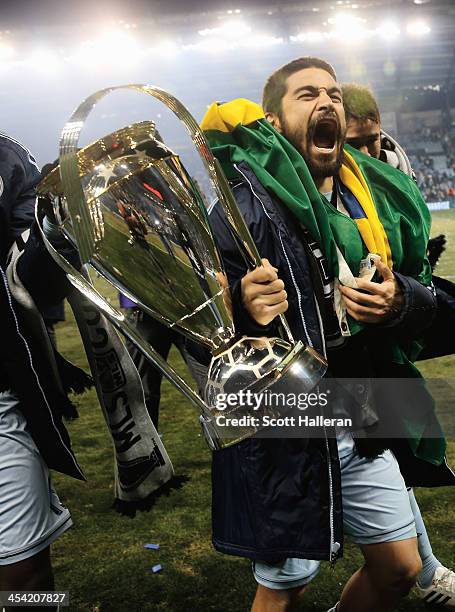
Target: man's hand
263	293
374	302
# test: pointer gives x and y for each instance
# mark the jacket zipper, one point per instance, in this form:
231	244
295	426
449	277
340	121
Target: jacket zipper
334	546
321	327
299	295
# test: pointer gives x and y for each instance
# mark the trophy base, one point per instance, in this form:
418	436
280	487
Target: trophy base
249	368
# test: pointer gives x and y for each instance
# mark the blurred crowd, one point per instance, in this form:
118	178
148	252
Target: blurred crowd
436	186
432	155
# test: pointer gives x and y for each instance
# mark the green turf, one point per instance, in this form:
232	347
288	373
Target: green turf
101	560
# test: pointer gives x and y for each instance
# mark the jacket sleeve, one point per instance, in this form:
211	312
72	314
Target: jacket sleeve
419	307
436	339
22	178
43	278
235	265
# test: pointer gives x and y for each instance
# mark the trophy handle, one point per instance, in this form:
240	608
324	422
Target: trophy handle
83	226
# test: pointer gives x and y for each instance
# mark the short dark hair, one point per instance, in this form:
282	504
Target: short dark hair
276	86
359	103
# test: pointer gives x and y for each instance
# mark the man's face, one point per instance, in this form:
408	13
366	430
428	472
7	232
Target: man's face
364	135
312	119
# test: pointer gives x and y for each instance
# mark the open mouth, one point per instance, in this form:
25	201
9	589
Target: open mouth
325	134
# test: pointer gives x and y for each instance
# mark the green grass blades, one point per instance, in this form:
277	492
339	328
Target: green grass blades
102	561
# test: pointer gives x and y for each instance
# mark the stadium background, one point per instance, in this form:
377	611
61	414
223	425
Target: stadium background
52	55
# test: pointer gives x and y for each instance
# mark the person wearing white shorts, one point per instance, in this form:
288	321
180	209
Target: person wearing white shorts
376	509
31	514
33	438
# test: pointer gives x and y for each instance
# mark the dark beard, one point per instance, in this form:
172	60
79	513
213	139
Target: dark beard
319	168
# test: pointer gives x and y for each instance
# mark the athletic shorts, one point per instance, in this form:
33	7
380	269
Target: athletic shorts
31	515
376	509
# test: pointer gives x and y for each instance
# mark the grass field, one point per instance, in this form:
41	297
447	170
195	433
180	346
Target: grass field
101	560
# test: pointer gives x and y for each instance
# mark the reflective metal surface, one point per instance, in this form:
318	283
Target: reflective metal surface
135	214
149	231
258	366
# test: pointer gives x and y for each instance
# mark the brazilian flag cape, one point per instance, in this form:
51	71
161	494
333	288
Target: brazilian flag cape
395	221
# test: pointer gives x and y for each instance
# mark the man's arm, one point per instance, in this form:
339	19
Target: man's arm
19	176
25	178
40	274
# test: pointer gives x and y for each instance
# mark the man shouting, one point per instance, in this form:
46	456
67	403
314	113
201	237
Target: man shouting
319	214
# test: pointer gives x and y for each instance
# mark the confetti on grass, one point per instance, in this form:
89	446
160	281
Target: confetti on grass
152	546
156	568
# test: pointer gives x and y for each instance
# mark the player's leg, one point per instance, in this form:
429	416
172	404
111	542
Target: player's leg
435	583
281	586
429	561
389	573
378	517
31	516
31	574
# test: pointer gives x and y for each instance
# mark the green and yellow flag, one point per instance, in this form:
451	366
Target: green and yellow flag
396	223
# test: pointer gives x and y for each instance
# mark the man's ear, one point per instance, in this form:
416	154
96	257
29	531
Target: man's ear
274	120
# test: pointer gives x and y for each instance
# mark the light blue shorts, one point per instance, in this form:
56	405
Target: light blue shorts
376	509
31	515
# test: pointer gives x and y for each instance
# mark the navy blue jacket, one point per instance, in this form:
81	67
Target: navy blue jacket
22	366
277	498
19	176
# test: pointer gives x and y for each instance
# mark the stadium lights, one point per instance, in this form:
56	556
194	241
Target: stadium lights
210	46
310	37
348	28
207	31
114	47
388	30
229	30
219	44
235	29
43	60
232	35
118	38
119	47
418	28
261	41
85	55
6	52
165	48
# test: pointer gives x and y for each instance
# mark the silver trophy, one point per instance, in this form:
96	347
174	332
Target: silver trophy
138	218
